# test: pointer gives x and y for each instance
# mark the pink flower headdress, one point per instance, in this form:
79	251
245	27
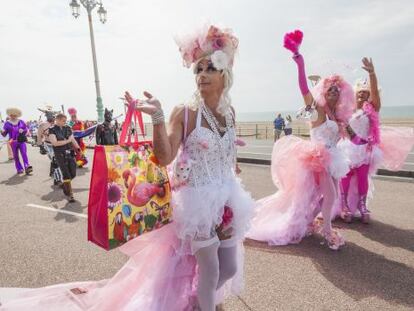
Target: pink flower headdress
219	44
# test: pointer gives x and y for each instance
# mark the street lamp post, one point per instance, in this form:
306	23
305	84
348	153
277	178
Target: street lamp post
89	5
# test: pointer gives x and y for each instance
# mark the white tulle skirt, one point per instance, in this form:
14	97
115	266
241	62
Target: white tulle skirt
199	210
358	155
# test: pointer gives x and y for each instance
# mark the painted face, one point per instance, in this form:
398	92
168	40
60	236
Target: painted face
332	95
208	78
362	96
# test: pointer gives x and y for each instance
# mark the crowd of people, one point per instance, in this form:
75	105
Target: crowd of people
199	255
61	140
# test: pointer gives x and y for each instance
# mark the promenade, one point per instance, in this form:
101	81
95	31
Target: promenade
44	242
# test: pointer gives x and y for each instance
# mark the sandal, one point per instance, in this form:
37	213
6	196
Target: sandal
334	239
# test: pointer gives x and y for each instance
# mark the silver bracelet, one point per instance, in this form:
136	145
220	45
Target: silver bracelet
158	117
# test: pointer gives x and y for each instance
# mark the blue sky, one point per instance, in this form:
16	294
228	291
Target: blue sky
45	53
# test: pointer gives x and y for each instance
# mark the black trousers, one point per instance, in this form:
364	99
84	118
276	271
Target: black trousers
67	164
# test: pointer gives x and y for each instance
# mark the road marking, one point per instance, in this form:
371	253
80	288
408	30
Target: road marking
57	210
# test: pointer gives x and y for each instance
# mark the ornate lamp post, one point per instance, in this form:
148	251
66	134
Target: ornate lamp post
89	5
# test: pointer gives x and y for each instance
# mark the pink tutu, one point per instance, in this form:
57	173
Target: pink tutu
161	274
283	218
158	276
396	144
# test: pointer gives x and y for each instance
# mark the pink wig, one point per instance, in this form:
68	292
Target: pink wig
346	101
72	111
374	130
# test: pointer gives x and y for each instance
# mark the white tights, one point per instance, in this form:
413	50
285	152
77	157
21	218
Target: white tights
217	263
329	192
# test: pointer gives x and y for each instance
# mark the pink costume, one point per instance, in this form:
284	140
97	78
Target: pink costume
298	165
371	147
165	271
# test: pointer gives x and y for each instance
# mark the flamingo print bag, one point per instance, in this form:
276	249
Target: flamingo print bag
129	191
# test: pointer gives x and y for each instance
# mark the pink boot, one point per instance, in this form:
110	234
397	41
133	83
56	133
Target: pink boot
362	207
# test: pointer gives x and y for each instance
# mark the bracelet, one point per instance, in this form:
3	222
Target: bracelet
371	73
158	117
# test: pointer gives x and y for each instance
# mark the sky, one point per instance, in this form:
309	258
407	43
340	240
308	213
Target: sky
45	53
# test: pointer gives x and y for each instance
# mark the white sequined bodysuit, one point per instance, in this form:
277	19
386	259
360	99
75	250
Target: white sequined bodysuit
212	185
213	157
328	134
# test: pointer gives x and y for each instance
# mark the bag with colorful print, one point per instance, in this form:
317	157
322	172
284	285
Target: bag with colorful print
129	191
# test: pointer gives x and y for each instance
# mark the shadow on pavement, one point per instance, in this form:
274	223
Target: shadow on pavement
354	270
385	234
14	180
77	190
75	207
7	162
82	171
55	195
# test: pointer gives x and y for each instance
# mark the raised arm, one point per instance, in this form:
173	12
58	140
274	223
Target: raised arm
166	141
374	92
302	80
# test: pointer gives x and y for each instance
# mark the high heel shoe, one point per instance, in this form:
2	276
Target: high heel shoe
333	238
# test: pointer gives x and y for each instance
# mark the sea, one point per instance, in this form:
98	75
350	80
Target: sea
268	116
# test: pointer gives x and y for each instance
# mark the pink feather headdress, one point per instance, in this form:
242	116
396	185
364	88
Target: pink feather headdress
212	41
72	111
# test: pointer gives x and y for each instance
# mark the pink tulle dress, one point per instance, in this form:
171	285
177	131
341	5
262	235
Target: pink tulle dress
387	147
284	217
161	273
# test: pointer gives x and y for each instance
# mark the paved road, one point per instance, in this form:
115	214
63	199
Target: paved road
262	149
375	271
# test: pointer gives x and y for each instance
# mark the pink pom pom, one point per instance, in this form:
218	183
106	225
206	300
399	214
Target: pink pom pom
72	111
239	142
293	40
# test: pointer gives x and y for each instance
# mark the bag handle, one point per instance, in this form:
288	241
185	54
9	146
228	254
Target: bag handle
126	136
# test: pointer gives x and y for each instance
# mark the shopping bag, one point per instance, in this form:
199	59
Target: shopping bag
130	192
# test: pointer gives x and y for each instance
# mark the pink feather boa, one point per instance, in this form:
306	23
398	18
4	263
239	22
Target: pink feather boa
374	130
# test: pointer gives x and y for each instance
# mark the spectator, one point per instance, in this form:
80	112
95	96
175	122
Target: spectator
288	126
279	124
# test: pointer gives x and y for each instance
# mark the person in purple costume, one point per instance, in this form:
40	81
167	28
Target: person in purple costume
17	130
